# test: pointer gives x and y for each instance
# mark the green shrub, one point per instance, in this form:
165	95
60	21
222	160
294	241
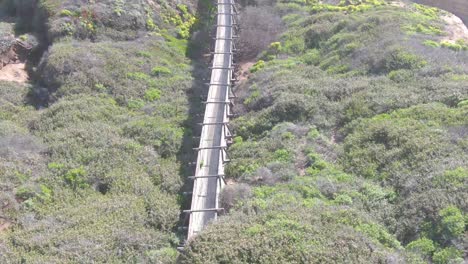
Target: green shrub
160	71
76	178
25	193
284	235
163	135
274	49
431	43
95	226
66	13
257	66
423	246
459	46
431	12
453	222
400	75
135	104
312	57
282	155
447	255
456	178
400	59
153	94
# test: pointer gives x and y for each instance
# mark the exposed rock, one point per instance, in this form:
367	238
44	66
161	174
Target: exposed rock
7	43
455	28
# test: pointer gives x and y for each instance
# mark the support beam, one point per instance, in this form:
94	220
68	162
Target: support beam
222	68
212	147
213	124
234	25
216	102
225	159
221	53
232	38
204	210
206	176
219	84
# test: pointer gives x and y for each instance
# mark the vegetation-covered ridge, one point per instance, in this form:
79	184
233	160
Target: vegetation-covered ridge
352	146
93	150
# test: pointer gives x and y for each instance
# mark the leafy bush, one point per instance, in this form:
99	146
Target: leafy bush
399	59
117	66
153	94
448	255
423	246
257	66
276	227
453	222
96	228
158	71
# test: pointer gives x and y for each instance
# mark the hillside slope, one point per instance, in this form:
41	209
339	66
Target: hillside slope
458	7
351	147
352	142
93	149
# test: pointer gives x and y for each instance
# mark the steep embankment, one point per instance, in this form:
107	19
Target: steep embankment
352	146
94	174
457	7
13	53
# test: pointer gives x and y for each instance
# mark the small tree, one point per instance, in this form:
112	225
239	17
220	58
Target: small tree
275	48
75	178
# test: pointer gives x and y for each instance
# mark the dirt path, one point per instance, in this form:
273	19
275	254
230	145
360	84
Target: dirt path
14	73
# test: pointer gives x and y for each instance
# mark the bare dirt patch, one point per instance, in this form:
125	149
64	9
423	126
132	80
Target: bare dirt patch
4	225
14	73
398	4
244	70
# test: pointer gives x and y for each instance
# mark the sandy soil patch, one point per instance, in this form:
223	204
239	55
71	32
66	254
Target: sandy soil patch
15	72
244	70
455	28
4	225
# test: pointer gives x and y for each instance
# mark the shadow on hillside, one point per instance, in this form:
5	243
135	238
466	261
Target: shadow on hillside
30	30
198	46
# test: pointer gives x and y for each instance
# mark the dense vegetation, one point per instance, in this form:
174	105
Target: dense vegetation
92	153
352	146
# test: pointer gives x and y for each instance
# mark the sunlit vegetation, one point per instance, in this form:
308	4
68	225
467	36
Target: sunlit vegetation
351	145
90	167
353	134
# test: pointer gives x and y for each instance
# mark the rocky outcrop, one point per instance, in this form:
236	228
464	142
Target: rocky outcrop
12	49
7	44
